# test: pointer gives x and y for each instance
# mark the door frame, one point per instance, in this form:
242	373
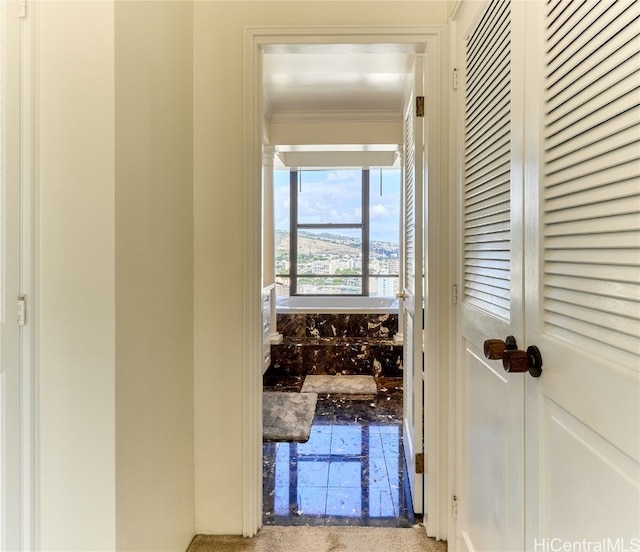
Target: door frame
440	311
24	65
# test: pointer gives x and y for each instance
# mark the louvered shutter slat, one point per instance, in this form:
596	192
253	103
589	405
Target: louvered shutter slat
595	256
589	31
486	176
565	96
620	133
620	223
611	274
590	287
409	204
563	198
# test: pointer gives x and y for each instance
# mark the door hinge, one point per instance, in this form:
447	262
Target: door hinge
454	79
23	9
419	462
22	310
454	294
419	106
454	506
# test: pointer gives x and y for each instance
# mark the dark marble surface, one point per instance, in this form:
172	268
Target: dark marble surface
329	356
383	326
352	469
329	344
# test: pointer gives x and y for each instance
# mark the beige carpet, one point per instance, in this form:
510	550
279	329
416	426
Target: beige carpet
323	539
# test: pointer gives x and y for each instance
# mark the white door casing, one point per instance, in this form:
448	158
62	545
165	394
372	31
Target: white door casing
255	40
583	274
412	286
16	385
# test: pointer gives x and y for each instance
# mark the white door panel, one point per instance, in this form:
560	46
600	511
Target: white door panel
494	480
412	287
583	190
589	489
491	478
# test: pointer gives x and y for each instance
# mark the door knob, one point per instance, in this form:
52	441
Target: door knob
523	361
513	359
494	348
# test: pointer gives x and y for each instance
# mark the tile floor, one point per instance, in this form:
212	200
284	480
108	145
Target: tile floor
352	469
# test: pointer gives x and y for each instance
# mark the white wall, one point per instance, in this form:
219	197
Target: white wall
219	224
114	138
154	275
76	348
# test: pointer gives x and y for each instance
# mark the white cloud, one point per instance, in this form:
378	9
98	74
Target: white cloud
379	211
335	196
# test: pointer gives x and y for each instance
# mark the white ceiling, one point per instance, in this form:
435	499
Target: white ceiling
336	79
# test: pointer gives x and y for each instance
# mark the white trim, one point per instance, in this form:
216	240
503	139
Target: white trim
458	6
21	195
341	116
436	341
255	39
455	273
28	282
252	296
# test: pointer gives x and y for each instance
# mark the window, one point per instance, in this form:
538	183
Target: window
337	232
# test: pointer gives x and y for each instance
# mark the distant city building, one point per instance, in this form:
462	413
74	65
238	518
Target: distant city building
320	267
325	257
386	287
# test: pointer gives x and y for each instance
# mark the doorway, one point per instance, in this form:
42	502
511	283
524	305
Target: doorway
434	436
336	347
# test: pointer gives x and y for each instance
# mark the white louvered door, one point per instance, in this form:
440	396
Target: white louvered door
491	409
583	268
550	160
413	413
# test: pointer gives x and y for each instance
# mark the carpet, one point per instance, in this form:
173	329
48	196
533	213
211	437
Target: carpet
346	385
323	539
288	416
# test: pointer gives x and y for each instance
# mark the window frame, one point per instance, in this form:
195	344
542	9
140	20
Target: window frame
365	247
295	176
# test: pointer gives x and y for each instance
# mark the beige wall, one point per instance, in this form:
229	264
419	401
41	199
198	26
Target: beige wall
219	225
76	348
115	262
154	275
115	232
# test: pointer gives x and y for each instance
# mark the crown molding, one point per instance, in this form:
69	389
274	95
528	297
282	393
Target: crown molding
339	116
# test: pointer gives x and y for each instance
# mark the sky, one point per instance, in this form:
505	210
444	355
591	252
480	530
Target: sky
334	196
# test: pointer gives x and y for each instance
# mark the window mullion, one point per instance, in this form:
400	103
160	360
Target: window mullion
365	232
293	233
